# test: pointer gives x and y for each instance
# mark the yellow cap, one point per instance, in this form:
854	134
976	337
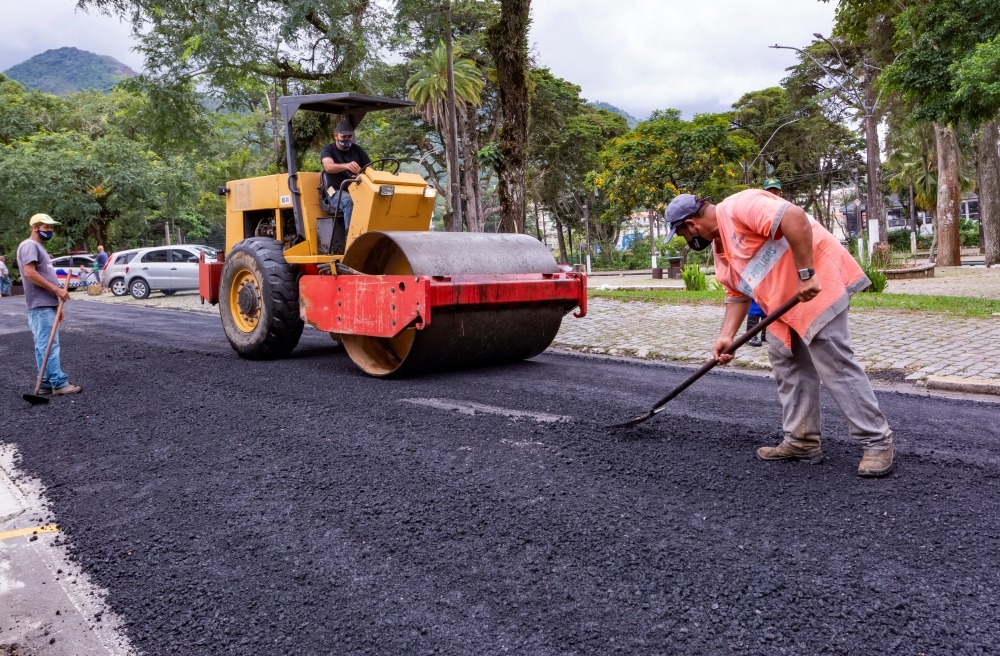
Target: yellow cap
43	219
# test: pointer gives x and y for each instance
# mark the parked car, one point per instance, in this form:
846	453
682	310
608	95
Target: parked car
165	268
113	275
68	267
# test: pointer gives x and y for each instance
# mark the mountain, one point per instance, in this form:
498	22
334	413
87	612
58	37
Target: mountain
65	70
629	119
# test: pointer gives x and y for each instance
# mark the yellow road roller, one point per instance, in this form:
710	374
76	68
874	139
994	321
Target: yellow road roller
401	299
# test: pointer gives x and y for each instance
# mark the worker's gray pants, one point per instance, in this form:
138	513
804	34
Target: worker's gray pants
829	359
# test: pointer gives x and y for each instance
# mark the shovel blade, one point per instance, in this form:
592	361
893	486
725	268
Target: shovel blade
34	399
633	421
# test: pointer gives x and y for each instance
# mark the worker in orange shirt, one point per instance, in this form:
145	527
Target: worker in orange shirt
767	249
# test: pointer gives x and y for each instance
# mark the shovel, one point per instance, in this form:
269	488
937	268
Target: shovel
710	364
36	399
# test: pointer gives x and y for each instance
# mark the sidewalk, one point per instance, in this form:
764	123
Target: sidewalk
945	351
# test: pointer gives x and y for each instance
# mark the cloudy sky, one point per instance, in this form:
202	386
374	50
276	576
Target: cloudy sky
639	55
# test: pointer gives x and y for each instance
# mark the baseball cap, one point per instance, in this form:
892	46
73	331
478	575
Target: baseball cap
344	128
772	183
42	218
679	209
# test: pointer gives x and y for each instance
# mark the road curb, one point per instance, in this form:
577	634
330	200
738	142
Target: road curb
970	385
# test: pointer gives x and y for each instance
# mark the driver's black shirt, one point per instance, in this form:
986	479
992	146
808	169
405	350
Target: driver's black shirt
353	154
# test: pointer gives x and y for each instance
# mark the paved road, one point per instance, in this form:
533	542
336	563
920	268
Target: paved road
299	507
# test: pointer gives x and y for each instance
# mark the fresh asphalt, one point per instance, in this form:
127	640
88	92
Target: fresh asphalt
300	507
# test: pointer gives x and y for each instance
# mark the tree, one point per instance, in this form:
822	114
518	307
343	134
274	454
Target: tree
839	74
942	49
507	41
565	140
665	155
428	88
300	44
912	163
797	142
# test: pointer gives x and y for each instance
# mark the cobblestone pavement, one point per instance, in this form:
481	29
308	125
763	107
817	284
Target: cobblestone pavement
909	343
906	343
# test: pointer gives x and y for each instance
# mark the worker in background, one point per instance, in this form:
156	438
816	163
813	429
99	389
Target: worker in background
42	294
5	284
100	261
768	249
343	160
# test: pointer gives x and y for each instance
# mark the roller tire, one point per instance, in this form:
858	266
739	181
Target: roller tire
272	327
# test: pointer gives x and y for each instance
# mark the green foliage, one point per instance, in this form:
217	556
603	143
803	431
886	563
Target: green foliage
428	86
946	64
630	120
565	140
877	278
969	231
899	240
636	256
665	156
301	46
671	248
66	70
694	279
110	174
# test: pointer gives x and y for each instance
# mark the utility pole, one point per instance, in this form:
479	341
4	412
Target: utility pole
456	185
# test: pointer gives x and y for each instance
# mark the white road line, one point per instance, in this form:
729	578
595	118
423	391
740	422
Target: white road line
471	408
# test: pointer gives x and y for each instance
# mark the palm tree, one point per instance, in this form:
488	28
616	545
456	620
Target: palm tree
428	88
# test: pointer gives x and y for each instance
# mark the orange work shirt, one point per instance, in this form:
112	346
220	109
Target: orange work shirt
754	260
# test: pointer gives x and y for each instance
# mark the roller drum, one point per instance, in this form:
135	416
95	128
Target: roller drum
457	337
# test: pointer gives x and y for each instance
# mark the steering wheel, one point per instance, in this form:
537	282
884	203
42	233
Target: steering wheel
383	162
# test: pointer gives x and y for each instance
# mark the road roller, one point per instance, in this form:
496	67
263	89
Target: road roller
401	299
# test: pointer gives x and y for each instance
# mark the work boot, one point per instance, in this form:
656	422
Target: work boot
876	462
68	388
751	322
788	451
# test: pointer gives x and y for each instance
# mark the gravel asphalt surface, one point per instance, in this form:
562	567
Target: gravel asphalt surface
300	507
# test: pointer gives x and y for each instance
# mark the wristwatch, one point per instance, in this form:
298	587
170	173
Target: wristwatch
806	274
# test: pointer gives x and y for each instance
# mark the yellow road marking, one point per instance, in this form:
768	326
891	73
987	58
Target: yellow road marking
49	528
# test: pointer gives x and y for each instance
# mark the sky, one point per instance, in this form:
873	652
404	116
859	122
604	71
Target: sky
639	55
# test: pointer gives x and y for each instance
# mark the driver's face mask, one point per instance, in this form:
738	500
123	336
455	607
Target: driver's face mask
345	143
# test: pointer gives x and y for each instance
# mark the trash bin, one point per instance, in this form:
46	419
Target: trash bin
673	267
657	273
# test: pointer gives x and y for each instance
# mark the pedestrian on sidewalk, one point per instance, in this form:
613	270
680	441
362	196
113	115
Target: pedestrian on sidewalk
100	261
5	284
42	294
767	249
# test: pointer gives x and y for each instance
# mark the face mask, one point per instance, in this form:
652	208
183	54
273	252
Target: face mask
698	243
45	234
346	143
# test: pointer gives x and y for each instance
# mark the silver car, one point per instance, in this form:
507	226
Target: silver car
165	268
113	274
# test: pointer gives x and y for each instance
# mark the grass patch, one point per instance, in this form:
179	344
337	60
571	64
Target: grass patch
966	306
